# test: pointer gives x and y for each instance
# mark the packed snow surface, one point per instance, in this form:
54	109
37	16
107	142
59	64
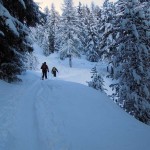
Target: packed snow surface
63	113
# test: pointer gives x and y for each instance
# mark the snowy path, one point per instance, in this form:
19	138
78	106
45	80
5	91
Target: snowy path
34	126
26	129
60	115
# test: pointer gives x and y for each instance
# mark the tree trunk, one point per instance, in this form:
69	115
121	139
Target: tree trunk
70	61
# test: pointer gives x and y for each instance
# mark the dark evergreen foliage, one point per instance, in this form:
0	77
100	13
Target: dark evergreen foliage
15	16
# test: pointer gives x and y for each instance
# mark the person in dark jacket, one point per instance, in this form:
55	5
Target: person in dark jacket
54	70
45	69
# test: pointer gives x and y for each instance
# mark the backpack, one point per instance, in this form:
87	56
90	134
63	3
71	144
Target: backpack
54	70
44	67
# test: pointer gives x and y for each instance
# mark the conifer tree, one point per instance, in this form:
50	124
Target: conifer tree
37	34
82	32
107	32
67	34
97	80
53	24
92	37
45	33
15	16
130	60
97	13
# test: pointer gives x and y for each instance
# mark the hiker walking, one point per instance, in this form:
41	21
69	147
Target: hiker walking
44	68
54	70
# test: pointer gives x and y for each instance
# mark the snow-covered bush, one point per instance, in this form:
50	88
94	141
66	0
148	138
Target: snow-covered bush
97	80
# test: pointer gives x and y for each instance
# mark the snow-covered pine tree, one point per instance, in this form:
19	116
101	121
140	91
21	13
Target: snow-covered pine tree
81	13
106	31
53	23
40	33
45	32
131	60
37	34
14	41
92	37
97	13
97	80
67	33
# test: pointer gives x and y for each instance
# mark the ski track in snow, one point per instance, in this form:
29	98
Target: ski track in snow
43	117
25	123
34	126
52	138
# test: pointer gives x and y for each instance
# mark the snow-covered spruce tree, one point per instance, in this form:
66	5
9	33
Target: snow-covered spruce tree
95	9
84	15
67	33
97	13
82	34
37	34
97	80
45	32
131	60
92	37
106	31
53	23
14	41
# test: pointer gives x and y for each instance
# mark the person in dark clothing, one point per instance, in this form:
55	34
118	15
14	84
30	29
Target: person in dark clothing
45	69
54	70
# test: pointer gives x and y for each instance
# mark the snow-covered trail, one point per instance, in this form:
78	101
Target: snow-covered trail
59	115
26	125
33	126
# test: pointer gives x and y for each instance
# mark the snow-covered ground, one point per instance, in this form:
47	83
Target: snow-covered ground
63	113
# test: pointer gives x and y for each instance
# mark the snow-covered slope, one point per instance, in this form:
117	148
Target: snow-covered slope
79	73
55	114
